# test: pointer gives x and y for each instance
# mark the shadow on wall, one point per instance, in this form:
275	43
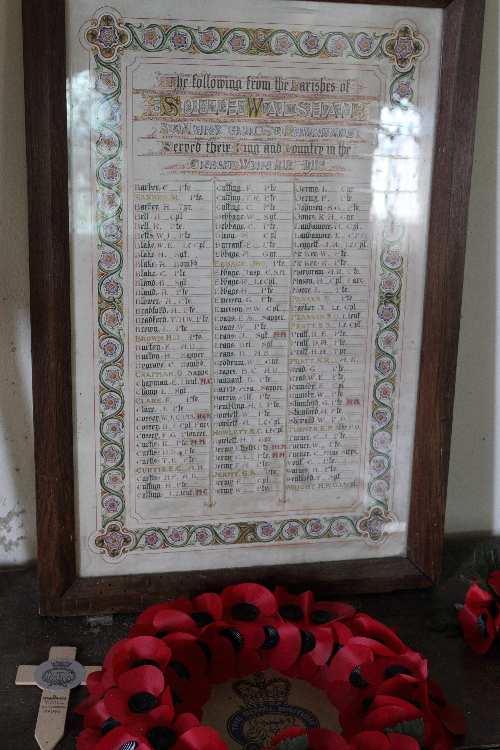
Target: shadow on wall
474	479
17	493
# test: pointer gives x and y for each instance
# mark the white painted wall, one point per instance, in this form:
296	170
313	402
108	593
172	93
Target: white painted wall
474	487
16	436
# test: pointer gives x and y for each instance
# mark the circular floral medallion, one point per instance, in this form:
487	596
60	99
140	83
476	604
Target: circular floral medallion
208	39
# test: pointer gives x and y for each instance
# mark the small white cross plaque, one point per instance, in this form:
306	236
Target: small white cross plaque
55	677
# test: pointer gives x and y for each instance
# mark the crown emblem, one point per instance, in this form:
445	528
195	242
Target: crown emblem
259	690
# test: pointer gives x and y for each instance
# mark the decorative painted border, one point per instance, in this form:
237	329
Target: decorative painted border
107	36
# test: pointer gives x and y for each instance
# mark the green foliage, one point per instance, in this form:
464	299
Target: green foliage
414	728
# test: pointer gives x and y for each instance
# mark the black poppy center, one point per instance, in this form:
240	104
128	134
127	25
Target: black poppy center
180	669
291	612
108	725
144	663
335	651
308	641
202	618
394	670
482	624
234	636
321	616
356	678
140	703
205	648
366	703
272	637
162	633
161	738
245	611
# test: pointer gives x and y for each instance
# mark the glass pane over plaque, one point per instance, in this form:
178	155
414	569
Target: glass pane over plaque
249	192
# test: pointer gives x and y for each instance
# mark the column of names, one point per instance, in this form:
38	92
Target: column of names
250	331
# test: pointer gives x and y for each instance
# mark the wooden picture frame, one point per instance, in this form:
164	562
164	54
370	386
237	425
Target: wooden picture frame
61	591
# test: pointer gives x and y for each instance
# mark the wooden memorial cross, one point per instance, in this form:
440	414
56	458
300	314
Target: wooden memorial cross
56	678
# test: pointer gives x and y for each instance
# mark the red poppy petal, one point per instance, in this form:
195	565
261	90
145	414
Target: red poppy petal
200	738
388	716
172	620
184	722
370	741
378	648
146	679
340	610
402	742
287	651
363	624
162	714
251	593
304	602
96	715
149	647
288	734
117	703
401	686
478	635
211	603
146	617
119	737
94	683
116	648
341	632
347	659
477	598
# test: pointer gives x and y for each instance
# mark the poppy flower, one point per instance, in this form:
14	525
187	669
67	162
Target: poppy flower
280	646
316	646
479	618
97	683
385	667
364	625
387	711
179	734
317	739
186	674
231	651
294	608
187	659
303	609
137	652
141	695
203	609
321	676
198	612
248	602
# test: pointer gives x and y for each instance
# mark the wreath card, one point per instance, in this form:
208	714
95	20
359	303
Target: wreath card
257	271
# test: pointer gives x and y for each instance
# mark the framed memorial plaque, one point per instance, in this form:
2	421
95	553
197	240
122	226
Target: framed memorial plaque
247	237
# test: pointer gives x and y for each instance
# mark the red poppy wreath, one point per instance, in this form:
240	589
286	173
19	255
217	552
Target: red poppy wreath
154	684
